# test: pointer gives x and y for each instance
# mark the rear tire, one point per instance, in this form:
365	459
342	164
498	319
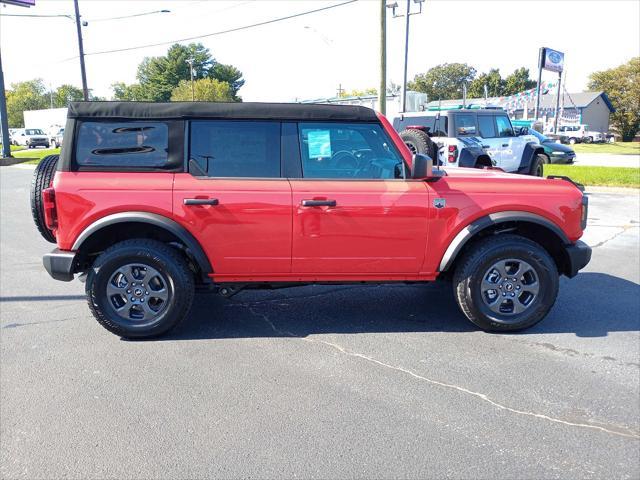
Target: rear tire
140	288
419	142
572	141
42	178
519	308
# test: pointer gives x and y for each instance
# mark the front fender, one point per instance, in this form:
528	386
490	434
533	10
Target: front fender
531	149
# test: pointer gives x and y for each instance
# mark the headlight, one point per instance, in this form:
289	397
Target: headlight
558	153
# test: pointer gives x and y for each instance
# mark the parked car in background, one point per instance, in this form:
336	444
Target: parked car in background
31	138
473	138
557	152
581	134
56	137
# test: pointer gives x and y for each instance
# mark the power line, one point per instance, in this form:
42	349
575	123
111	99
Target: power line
32	15
237	29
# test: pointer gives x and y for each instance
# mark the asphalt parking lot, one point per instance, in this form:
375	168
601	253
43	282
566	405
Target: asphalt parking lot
322	382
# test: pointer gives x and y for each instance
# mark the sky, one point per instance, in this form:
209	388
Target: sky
311	56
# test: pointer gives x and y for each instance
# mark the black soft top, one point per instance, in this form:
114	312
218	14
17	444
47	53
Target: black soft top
219	110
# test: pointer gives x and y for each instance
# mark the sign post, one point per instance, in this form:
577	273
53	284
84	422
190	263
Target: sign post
553	61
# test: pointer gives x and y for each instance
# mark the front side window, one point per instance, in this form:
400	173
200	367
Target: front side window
122	144
504	126
487	126
465	125
348	151
235	148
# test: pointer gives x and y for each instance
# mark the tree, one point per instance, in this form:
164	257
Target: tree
443	81
205	90
128	93
30	95
65	94
359	93
159	76
518	81
622	86
230	75
493	81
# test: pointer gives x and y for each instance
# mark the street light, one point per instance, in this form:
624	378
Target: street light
190	62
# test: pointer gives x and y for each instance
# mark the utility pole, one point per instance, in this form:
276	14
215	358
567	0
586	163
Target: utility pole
382	88
85	90
4	130
190	62
408	13
340	90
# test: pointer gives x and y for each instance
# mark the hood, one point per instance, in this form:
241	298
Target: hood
558	147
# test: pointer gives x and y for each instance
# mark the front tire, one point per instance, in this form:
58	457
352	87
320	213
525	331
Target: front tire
505	283
140	288
537	165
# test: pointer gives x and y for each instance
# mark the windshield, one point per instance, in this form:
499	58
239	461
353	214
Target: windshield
34	131
538	135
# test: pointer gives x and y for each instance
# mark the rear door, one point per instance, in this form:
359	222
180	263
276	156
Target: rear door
355	216
234	199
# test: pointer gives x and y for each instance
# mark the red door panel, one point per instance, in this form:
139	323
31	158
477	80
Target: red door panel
375	227
247	232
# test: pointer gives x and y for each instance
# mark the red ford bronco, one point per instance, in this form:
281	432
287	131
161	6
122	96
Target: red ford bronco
148	202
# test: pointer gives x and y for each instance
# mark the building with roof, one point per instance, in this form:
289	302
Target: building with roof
590	108
416	102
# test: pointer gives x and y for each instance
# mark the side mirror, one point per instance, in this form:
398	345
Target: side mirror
422	166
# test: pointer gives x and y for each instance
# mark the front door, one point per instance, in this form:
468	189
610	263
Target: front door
355	216
512	146
234	199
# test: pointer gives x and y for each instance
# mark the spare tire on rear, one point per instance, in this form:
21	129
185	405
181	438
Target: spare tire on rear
419	142
42	178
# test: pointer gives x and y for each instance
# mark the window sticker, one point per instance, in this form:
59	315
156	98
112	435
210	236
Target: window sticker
319	142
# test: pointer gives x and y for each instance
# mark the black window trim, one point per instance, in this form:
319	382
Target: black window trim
187	147
175	155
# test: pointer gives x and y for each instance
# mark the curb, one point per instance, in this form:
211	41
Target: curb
8	161
613	190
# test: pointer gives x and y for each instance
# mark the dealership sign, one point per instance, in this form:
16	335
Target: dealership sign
551	60
20	3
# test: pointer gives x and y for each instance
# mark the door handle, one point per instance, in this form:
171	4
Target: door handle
486	146
318	203
200	201
505	144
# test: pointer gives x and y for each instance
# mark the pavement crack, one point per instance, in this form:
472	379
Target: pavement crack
485	398
616	235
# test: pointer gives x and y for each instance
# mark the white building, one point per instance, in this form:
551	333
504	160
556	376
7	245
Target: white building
46	120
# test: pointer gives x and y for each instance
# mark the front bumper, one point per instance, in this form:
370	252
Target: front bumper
564	158
60	264
579	255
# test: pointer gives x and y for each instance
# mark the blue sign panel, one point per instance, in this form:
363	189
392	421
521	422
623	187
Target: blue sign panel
552	60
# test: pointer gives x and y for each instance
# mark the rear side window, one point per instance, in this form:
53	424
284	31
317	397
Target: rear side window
435	126
465	125
487	126
122	144
235	148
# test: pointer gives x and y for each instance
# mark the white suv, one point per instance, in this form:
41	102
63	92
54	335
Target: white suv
471	138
